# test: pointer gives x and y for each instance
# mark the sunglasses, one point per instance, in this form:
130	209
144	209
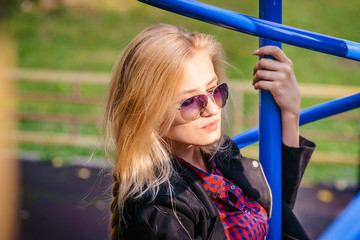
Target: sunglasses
193	107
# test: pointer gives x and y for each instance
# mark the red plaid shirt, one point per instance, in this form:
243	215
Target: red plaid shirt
242	217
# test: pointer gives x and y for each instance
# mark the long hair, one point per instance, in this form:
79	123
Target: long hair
137	118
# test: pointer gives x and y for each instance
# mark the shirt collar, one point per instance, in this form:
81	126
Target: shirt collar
196	169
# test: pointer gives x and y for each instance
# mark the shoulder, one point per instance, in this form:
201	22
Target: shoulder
174	209
174	193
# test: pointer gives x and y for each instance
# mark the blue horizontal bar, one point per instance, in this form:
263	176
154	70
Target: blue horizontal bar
347	225
307	115
261	28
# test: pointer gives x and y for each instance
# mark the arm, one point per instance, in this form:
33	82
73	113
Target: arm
294	162
281	82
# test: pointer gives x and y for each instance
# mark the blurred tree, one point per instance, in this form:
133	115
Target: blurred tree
9	173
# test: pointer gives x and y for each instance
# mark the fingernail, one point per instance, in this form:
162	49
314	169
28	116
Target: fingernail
256	52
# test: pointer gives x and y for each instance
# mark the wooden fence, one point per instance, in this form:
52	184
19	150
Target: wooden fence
239	90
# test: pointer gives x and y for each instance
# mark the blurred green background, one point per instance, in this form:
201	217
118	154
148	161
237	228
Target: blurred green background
84	35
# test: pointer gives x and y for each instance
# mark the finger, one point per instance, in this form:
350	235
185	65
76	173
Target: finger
269	64
261	75
266	85
267	75
274	51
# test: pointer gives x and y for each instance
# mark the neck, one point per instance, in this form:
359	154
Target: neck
191	154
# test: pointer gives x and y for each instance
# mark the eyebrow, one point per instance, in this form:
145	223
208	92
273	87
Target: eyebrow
215	78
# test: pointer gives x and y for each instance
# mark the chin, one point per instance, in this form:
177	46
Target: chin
212	138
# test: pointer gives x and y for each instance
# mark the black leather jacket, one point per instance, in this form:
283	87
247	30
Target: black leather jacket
192	209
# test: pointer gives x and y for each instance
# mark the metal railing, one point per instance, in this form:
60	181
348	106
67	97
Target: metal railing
76	93
275	31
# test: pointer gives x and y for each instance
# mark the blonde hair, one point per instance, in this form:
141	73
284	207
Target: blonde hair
137	118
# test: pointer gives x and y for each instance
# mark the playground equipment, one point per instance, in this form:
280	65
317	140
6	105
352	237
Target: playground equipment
271	31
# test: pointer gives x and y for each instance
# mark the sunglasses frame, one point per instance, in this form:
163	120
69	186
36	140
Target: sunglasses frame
211	93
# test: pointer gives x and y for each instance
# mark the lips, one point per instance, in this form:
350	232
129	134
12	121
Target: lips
211	126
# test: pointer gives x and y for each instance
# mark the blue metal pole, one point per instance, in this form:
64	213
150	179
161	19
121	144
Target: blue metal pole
307	115
261	28
347	225
270	128
270	10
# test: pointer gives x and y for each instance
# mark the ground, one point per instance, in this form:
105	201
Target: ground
71	202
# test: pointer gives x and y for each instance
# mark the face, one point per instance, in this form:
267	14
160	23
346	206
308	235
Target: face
200	77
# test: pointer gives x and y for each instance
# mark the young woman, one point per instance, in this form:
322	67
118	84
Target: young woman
177	175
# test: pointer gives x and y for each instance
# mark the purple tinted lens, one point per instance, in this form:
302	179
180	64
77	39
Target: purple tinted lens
193	107
221	94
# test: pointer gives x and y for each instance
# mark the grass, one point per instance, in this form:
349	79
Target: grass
90	39
63	108
65	153
331	173
78	39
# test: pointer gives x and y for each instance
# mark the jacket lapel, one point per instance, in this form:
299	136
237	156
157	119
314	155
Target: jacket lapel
216	229
246	173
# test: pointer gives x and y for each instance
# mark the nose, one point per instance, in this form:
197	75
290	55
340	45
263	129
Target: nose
212	108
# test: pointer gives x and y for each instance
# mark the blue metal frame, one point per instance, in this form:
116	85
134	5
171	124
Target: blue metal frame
307	115
260	28
270	128
275	31
346	225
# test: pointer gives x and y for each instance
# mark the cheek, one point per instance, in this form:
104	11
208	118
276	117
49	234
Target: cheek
178	126
191	132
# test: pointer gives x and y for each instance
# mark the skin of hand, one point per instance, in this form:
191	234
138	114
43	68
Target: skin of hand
277	76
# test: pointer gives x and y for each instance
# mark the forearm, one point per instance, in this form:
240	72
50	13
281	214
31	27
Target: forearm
294	162
281	82
290	129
